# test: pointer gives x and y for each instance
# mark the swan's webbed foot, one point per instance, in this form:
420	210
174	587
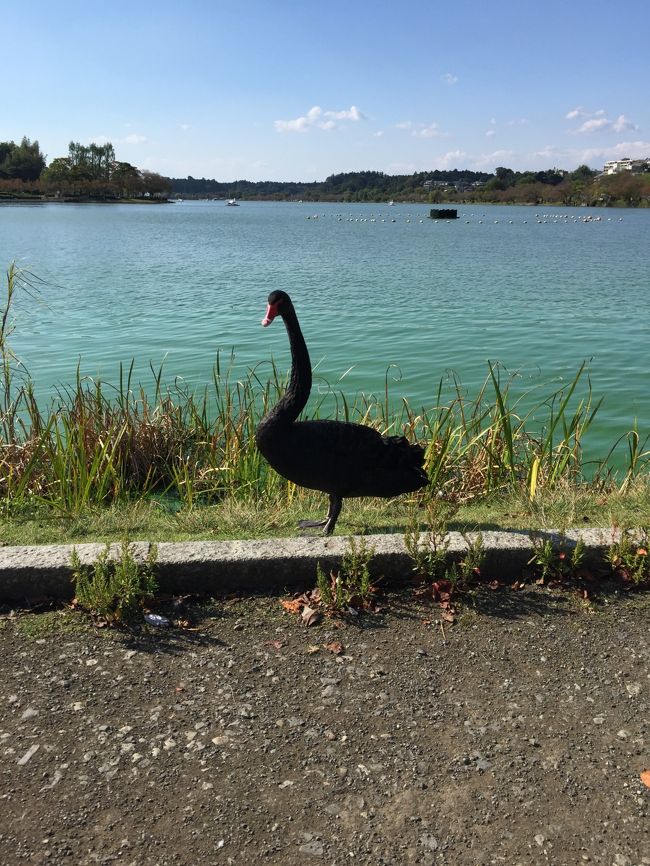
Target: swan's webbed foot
310	524
336	503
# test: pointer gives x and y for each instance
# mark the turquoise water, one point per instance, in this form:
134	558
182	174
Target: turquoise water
537	290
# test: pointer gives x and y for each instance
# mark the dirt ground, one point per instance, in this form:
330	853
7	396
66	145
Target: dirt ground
517	736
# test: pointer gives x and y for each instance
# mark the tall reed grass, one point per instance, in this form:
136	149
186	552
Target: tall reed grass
96	444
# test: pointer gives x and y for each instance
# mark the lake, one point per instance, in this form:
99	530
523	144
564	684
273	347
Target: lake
539	290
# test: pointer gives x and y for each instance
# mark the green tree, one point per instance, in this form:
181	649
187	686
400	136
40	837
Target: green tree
582	172
92	162
58	171
21	162
156	185
506	176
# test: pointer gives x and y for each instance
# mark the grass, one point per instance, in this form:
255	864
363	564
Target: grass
58	623
150	520
102	461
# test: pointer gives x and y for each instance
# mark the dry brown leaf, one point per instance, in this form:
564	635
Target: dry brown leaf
276	644
312	649
310	616
448	616
292	606
335	647
645	778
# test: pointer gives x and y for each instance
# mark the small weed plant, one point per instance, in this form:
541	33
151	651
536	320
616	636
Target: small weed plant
628	557
556	560
113	590
351	586
429	550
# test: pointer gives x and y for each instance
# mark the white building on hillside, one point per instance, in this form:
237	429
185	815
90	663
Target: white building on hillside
617	166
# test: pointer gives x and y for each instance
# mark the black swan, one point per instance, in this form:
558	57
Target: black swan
339	458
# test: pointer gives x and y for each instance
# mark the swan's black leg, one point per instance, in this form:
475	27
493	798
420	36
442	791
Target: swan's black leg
336	503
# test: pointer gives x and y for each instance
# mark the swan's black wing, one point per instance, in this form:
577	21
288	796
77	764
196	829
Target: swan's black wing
345	459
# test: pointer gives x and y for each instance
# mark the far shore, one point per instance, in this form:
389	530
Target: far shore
42	199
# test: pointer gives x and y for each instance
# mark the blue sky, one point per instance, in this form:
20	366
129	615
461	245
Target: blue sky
300	89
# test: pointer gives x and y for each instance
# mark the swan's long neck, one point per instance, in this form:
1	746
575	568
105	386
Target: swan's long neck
294	399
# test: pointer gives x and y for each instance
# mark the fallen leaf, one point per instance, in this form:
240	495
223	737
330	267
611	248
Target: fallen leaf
448	616
276	644
335	647
645	778
293	606
312	648
310	616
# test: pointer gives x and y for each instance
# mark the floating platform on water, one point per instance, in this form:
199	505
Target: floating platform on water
443	214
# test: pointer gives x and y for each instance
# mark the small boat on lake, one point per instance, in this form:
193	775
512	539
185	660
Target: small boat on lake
232	202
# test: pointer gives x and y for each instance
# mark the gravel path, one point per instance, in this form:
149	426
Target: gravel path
516	736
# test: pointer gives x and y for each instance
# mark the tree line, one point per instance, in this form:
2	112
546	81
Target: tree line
93	171
584	186
88	171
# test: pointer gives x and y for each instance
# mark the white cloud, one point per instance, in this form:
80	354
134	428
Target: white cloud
490	133
185	126
449	79
451	158
378	134
133	138
548	153
430	131
593	125
316	118
575	113
595	156
622	124
352	113
492	160
597	121
421	130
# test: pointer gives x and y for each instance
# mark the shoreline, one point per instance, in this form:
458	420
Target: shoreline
42	199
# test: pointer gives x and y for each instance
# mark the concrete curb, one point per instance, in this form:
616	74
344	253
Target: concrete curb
215	567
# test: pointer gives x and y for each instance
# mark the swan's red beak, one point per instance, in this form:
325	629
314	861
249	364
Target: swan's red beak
271	313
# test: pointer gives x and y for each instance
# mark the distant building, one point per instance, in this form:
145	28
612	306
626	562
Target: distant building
618	166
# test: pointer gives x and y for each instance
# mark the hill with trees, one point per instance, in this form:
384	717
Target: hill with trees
553	186
92	172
